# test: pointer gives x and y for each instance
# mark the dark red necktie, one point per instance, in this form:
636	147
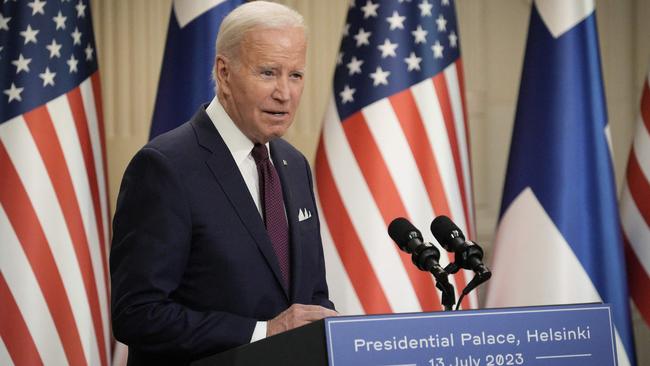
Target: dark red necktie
273	208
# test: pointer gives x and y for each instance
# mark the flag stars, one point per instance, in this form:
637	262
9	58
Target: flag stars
396	21
420	35
37	7
4	22
72	64
425	8
354	66
54	48
59	19
22	64
89	52
413	62
346	30
437	49
369	10
81	9
347	95
453	39
379	77
442	23
362	37
14	93
76	36
445	2
29	34
339	58
387	48
48	77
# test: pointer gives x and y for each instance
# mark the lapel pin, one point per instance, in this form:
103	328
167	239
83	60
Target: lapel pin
284	162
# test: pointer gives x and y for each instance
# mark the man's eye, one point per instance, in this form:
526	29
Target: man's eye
267	73
296	76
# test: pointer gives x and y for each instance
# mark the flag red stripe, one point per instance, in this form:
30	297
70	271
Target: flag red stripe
348	245
645	105
461	84
440	85
406	109
385	194
23	219
407	113
639	187
99	108
42	130
14	331
81	121
638	281
442	92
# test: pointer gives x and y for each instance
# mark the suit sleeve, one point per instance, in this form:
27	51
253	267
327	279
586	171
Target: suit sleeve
151	244
321	293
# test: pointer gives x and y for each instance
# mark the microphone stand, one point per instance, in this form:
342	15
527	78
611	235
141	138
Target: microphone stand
422	258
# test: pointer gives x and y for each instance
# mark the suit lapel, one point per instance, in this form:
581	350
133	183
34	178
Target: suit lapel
281	162
228	176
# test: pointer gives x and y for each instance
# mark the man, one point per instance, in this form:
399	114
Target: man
214	244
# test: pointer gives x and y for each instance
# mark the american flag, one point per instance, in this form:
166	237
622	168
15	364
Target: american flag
635	210
54	215
394	143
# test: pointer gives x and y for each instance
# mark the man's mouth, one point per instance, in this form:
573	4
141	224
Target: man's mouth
277	113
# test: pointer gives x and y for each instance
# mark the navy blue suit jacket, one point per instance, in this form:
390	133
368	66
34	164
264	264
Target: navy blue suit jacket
192	266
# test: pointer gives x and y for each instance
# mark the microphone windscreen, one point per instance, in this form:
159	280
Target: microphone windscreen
400	231
441	228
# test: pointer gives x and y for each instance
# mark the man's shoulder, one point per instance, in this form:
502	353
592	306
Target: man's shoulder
182	138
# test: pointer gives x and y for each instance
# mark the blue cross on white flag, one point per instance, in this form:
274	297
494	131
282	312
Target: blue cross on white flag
185	81
558	239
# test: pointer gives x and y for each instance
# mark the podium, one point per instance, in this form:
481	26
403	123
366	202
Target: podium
559	335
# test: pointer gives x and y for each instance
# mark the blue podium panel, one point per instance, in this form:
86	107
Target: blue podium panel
563	335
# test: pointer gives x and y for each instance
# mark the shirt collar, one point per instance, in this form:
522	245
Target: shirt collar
239	145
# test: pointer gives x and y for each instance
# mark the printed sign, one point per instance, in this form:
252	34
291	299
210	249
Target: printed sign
573	335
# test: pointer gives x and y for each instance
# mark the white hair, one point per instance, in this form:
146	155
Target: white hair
249	16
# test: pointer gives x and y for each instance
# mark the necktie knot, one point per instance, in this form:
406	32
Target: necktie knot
260	153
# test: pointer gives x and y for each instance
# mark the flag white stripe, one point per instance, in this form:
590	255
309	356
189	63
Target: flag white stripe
5	359
341	290
96	143
88	98
426	100
396	152
67	133
451	79
635	228
24	287
33	175
365	216
641	147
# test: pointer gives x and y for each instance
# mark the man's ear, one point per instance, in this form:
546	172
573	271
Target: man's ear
223	69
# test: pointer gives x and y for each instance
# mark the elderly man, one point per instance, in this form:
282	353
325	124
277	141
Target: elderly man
217	241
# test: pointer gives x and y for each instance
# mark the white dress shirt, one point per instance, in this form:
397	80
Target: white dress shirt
240	147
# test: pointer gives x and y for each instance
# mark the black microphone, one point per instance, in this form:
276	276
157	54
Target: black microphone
409	239
469	255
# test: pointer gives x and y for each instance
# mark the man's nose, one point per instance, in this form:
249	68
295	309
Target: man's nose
281	92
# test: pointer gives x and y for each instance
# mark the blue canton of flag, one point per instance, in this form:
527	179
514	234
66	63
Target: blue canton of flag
394	144
558	240
185	78
389	46
46	49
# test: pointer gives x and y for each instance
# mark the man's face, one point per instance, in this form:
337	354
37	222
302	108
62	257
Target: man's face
262	90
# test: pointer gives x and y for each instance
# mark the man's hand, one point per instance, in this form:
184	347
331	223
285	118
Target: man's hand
295	316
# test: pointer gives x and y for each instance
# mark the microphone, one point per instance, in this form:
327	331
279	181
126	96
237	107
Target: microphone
468	254
425	256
